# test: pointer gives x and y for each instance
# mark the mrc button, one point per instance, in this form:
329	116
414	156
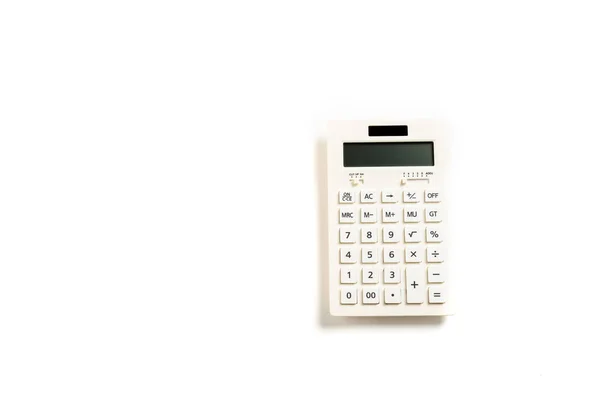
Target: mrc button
432	196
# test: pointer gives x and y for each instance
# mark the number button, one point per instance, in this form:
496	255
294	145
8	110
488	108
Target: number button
390	214
432	196
391	255
412	215
347	235
369	255
346	197
368	196
411	196
370	275
391	235
348	275
433	215
434	235
391	275
371	296
413	255
393	295
368	215
348	296
348	255
413	235
368	235
347	216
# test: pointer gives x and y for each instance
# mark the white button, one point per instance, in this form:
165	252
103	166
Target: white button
436	274
369	255
434	234
413	235
411	196
391	234
393	295
389	196
391	275
368	235
391	255
347	215
435	255
413	254
415	285
346	196
390	214
368	196
433	214
370	275
412	215
368	215
348	275
348	255
348	296
347	235
371	296
432	196
437	294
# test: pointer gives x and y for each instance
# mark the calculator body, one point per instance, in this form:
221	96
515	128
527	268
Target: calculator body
387	219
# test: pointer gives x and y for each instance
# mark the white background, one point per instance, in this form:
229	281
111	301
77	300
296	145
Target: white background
160	167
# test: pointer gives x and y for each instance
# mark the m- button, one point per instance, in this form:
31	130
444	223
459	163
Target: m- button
432	196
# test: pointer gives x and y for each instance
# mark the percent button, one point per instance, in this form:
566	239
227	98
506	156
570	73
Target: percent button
434	235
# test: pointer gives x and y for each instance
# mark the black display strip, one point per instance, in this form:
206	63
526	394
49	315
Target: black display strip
388	154
388	130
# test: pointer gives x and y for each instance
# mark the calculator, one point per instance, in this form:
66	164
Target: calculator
387	219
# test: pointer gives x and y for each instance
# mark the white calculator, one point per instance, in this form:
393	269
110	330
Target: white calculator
387	219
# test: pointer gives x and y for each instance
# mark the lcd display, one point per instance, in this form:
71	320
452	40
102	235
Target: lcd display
388	154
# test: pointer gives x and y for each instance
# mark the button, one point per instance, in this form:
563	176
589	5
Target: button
371	296
436	274
348	255
390	214
411	196
389	196
391	275
432	196
347	216
433	215
434	234
415	285
368	215
391	255
368	235
348	296
348	275
368	196
346	197
370	275
393	295
413	254
435	255
391	234
437	294
347	235
412	215
369	255
413	235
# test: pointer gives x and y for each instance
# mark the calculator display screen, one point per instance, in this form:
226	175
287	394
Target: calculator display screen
388	154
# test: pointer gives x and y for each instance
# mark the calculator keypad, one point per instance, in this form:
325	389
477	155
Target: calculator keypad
392	255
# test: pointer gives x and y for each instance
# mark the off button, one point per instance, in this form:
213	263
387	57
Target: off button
432	196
